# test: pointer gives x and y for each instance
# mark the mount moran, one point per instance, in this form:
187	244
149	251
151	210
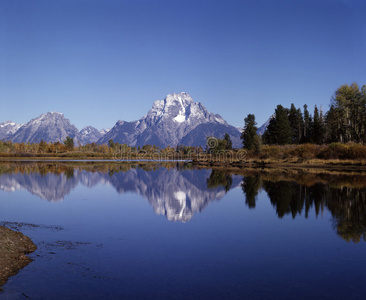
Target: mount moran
172	121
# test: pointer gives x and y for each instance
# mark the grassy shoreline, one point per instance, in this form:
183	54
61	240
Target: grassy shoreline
13	249
335	164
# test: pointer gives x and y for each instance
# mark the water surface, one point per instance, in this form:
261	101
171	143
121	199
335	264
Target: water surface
173	232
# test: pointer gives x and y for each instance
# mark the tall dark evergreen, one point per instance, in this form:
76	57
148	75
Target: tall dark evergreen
296	122
318	130
249	136
307	126
279	130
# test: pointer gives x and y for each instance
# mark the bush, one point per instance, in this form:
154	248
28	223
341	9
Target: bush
355	151
325	152
306	151
269	152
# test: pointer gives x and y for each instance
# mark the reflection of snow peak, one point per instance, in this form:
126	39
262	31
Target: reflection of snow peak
177	195
182	197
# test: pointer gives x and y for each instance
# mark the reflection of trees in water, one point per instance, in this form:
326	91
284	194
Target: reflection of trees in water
218	178
347	205
250	187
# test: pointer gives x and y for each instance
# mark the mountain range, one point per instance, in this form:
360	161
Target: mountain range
175	120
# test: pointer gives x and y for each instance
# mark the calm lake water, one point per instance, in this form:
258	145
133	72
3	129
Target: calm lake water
118	231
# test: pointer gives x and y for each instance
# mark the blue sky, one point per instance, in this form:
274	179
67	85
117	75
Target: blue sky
102	61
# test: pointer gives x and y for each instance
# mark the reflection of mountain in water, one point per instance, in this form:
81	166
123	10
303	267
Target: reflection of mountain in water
179	194
173	193
51	186
176	194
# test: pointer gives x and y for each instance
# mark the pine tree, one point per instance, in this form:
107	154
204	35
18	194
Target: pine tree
249	136
307	126
317	131
296	123
279	129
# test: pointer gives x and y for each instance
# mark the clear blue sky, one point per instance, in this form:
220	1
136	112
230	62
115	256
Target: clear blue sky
99	61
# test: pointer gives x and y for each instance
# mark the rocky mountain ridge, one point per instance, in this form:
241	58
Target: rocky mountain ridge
175	120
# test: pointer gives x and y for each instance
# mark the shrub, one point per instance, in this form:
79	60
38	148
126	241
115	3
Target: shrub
272	151
355	151
306	151
325	152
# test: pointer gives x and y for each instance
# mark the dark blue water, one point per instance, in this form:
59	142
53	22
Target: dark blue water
170	233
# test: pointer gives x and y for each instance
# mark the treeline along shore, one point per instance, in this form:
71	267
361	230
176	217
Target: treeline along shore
293	136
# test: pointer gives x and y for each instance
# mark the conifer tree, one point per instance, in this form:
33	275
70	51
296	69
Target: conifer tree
249	136
279	129
317	131
307	125
296	123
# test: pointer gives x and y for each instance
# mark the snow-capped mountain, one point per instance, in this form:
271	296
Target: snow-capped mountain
175	120
8	128
50	127
104	131
88	135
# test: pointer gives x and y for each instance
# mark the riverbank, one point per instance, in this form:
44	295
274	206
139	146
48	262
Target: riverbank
332	164
212	161
13	249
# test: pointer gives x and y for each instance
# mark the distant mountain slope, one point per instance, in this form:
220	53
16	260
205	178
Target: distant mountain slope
50	127
104	131
172	121
8	128
198	136
88	135
263	128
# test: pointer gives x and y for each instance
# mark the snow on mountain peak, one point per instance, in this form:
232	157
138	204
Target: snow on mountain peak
51	113
182	98
86	130
8	128
104	131
7	123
